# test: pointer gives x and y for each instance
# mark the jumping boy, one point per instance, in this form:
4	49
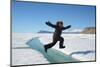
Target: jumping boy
57	34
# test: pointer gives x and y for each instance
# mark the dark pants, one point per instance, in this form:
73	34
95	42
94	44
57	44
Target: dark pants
61	39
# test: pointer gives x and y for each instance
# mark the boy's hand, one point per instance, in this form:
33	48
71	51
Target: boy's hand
48	22
69	26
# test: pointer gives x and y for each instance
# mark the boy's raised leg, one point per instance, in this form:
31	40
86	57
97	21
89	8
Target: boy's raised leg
49	45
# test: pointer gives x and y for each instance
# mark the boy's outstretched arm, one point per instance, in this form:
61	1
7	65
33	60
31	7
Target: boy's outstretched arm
50	24
67	27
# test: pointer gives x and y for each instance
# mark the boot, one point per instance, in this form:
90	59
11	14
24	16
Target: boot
62	47
45	48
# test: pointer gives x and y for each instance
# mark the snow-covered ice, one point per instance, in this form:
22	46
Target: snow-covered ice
79	46
75	43
22	54
27	56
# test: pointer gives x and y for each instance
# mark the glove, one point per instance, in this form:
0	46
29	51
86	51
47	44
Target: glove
69	26
48	22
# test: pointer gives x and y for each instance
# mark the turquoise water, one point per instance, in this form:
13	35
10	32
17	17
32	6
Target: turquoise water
53	55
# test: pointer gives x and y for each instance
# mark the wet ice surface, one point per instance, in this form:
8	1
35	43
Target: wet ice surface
81	46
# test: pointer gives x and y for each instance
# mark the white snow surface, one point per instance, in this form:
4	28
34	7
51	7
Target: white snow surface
73	42
25	56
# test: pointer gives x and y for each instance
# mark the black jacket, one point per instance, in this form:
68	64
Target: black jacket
58	30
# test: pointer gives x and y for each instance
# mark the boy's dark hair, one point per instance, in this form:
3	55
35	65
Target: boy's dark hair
59	22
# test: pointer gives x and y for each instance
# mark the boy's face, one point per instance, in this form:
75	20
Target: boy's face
60	25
